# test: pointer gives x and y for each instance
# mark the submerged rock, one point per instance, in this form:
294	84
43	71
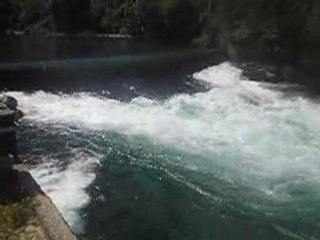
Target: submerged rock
7	118
259	72
18	115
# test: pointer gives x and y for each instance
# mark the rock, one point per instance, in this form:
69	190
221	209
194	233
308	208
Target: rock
18	115
3	106
7	117
259	72
6	164
291	74
11	102
8	141
8	102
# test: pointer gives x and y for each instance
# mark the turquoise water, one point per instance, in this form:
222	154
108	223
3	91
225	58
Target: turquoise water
233	159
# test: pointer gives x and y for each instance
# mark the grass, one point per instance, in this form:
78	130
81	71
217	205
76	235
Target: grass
13	216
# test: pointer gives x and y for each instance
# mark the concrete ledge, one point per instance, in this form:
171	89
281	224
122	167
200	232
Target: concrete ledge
49	217
19	180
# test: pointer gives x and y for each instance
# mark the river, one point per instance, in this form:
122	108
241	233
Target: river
170	145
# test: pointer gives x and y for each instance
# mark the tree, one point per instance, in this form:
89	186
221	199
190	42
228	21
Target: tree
169	20
71	15
7	15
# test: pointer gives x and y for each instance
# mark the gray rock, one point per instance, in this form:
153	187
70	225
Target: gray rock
7	118
6	164
9	115
3	106
259	72
11	102
18	115
8	143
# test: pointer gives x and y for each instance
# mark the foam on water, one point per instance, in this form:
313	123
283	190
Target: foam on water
264	138
66	187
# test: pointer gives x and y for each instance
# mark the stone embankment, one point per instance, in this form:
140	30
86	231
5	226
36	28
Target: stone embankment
42	221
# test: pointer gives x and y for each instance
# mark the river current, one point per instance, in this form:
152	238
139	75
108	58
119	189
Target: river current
232	159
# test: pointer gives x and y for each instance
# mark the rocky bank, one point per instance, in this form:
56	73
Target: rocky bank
25	211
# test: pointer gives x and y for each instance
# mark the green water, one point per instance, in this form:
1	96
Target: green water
236	160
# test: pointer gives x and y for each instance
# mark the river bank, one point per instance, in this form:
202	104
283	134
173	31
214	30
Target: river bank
87	34
27	213
62	57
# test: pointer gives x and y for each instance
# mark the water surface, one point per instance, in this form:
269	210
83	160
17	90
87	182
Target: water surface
200	153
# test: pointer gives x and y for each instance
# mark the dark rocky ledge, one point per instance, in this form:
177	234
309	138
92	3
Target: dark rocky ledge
9	117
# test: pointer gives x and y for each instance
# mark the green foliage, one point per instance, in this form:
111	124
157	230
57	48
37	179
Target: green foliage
13	216
313	24
71	15
6	15
123	18
21	14
274	26
284	27
170	20
202	40
29	11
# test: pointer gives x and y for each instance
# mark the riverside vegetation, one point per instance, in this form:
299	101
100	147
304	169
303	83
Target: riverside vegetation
288	29
13	217
18	218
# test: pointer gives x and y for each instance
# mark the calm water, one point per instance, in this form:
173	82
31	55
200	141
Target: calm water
159	146
38	48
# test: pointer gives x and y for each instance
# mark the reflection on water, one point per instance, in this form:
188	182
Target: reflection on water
65	64
41	48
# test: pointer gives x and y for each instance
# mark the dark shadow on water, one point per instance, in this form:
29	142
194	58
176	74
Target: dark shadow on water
135	75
